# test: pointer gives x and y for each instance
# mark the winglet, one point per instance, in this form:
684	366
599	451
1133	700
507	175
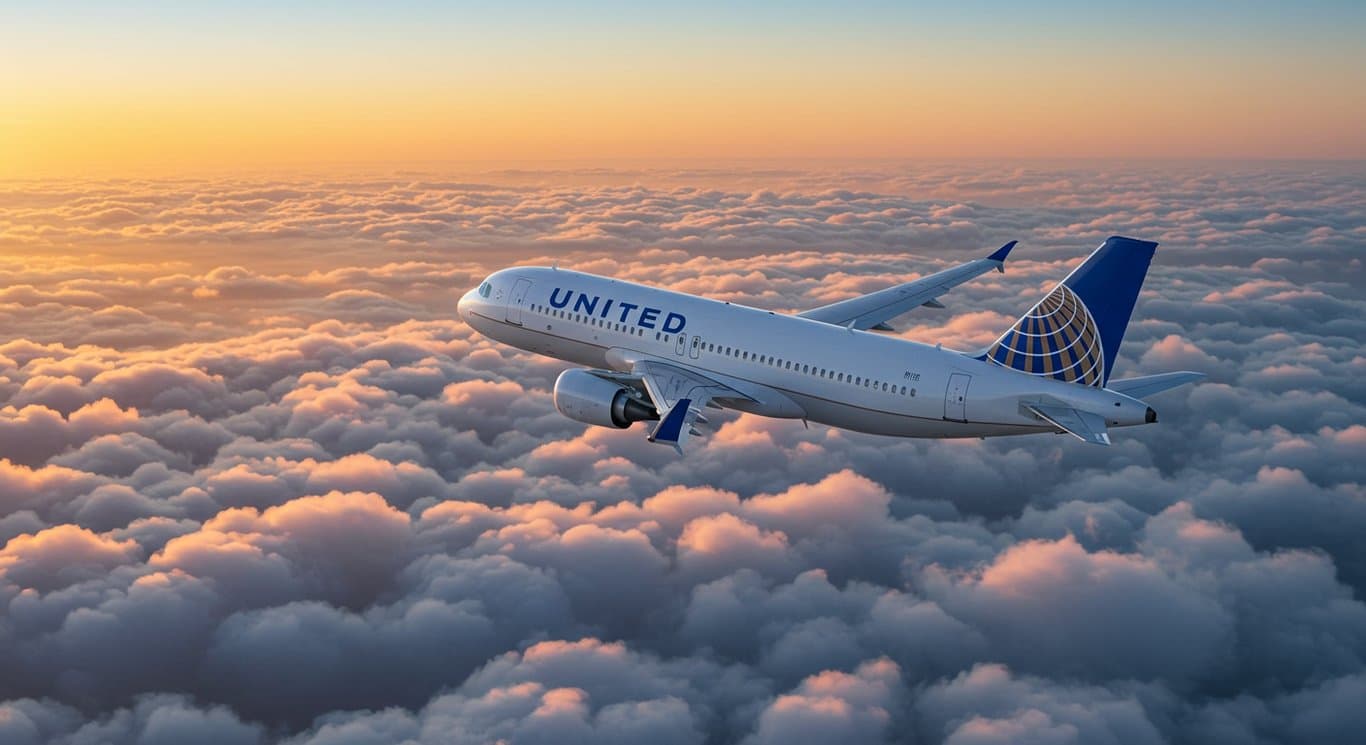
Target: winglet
670	428
1003	252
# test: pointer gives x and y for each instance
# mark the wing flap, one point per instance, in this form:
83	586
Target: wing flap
1083	425
873	310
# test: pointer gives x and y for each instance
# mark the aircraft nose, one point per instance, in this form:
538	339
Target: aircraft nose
462	308
1150	416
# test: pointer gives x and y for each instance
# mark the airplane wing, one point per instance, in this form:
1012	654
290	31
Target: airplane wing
679	395
1082	425
872	311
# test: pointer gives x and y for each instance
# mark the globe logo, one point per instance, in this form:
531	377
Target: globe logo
1057	338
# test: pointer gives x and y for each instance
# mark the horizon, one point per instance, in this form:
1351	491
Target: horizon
154	87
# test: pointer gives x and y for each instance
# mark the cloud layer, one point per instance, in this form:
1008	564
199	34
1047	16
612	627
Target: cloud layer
259	484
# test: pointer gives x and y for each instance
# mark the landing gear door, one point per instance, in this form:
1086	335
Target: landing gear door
517	300
956	397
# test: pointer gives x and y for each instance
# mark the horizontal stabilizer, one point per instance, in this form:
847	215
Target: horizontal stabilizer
1147	385
1082	425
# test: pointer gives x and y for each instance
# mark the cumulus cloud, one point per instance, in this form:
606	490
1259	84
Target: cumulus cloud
258	484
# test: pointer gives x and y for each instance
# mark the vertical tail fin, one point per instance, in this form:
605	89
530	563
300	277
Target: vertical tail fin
1074	333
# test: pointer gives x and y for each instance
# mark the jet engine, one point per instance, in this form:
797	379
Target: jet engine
584	397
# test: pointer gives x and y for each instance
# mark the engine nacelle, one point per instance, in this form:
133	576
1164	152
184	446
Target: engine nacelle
584	397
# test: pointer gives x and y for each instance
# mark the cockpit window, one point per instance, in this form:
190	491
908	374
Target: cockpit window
484	289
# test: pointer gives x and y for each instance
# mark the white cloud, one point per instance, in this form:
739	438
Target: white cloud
272	478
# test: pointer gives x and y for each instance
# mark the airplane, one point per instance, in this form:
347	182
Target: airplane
655	355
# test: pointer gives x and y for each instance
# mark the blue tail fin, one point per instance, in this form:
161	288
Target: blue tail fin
1074	333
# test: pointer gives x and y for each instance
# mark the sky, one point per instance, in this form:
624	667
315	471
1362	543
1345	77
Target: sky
158	88
259	485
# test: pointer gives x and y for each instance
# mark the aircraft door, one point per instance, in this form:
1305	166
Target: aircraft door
956	397
682	346
516	301
695	349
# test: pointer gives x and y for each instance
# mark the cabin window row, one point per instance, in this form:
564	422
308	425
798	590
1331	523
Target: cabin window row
744	355
591	321
808	369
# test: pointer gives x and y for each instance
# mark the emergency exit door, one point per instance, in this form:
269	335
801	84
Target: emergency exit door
956	397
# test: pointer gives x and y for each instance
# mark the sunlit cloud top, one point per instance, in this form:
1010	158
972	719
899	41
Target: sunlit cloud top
163	87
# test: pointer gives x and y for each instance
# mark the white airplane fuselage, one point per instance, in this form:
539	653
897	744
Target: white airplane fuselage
857	380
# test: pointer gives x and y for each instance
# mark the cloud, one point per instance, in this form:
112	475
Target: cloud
834	707
60	556
990	705
260	485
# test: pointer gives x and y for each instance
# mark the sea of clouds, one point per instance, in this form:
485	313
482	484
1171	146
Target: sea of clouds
259	484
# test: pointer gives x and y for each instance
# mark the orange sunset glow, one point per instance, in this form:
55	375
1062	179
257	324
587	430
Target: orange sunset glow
157	90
